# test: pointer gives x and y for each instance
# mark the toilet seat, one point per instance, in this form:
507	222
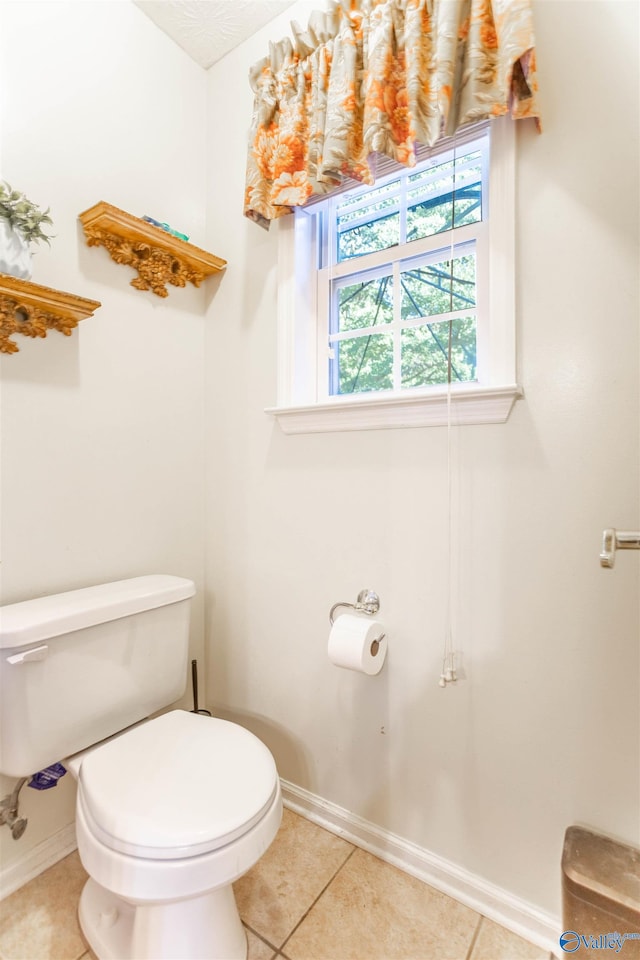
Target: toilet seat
176	787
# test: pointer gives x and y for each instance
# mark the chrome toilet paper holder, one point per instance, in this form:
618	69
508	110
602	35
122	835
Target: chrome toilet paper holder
367	602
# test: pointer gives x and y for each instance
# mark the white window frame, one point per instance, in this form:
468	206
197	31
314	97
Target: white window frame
302	407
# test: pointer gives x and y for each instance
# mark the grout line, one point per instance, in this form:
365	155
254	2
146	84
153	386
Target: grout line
256	934
308	911
474	938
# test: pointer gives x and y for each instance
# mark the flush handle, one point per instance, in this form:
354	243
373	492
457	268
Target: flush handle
36	653
613	540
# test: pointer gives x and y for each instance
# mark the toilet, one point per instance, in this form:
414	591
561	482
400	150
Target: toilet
170	811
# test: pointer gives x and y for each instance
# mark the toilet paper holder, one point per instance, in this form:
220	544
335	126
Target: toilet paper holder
368	602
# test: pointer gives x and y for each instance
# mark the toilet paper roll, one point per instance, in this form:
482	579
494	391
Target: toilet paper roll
357	643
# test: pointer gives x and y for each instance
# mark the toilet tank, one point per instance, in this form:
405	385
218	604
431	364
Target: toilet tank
80	666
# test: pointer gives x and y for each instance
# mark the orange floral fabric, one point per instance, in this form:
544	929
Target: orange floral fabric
379	76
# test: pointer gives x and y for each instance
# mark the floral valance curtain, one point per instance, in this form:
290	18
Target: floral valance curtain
379	76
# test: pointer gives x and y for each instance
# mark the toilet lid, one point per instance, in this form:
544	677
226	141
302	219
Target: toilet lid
177	786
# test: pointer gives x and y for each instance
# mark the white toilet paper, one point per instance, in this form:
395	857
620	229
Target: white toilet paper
357	643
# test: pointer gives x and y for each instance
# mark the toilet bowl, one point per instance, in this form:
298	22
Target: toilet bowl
168	815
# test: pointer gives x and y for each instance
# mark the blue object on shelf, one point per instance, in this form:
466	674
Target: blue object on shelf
166	228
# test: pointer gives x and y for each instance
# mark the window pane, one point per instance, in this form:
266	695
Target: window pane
425	352
362	364
369	237
437	174
355	204
442	197
435	214
468	196
432	289
364	304
467	167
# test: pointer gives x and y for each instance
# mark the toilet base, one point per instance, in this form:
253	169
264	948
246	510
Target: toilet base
207	927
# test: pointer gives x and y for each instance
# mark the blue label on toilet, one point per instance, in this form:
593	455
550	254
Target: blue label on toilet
47	778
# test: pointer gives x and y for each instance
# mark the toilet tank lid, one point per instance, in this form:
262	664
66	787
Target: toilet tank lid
42	618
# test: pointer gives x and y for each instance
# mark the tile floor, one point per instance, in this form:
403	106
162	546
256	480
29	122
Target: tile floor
313	896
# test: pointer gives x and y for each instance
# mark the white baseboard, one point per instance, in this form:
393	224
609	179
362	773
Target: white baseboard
522	918
37	860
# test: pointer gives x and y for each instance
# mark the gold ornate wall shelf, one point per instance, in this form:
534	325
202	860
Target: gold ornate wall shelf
158	257
32	310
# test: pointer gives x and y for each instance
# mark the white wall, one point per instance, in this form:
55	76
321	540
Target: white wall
544	732
102	466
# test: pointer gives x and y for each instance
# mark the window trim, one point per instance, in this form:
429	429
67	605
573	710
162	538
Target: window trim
297	408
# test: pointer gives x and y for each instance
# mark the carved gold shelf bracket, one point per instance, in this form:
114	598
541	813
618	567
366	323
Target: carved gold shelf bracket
33	310
157	256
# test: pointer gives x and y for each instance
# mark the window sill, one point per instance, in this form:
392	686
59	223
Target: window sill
470	404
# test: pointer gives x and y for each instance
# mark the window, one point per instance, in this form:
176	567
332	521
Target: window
399	276
396	301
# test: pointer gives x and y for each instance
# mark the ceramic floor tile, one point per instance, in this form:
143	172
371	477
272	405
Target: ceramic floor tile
39	921
258	949
495	943
275	894
373	911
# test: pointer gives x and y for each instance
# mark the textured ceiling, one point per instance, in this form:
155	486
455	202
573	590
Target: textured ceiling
207	29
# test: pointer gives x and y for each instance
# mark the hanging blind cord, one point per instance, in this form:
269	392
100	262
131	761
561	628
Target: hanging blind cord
448	674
